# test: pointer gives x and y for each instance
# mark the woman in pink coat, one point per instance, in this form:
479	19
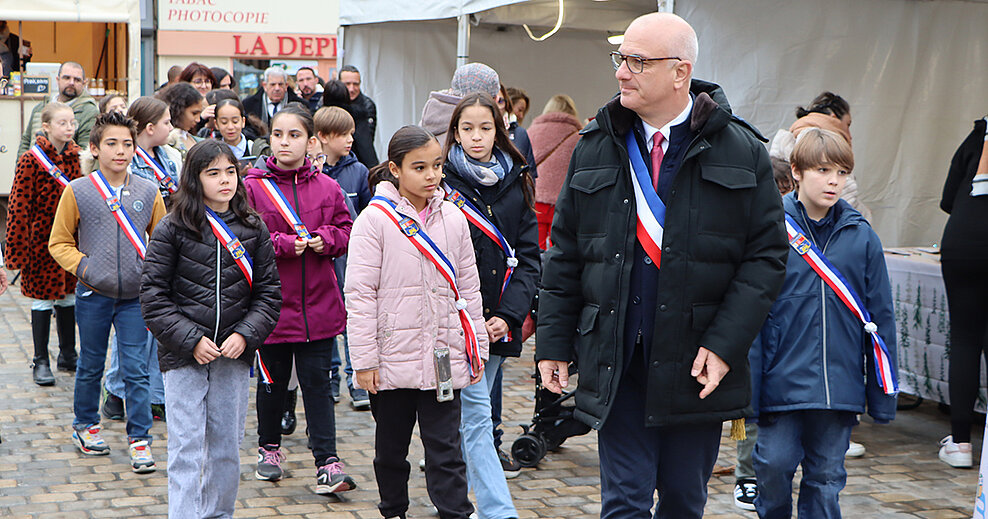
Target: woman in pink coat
409	327
554	135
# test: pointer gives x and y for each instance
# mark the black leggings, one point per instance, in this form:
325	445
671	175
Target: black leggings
966	281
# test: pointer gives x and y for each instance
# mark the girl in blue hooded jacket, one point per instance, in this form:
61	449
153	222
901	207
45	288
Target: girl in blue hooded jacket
812	365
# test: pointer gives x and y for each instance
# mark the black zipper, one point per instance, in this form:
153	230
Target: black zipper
298	210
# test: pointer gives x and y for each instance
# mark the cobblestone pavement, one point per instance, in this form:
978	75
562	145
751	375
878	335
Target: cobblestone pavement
43	475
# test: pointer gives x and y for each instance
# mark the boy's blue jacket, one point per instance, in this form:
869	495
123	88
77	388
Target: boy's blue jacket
812	352
352	177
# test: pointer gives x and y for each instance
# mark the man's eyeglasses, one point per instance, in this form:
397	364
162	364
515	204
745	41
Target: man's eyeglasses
635	62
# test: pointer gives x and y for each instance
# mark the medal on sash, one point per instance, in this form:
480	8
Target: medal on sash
284	208
232	244
123	219
49	165
835	280
649	207
431	251
164	179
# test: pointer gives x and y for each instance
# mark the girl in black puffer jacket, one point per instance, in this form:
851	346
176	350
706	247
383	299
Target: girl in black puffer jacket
210	294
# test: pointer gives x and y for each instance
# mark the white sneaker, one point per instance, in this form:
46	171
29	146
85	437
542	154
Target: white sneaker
141	460
854	450
957	455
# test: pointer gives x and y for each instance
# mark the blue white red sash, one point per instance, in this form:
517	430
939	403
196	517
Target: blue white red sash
431	251
650	208
835	280
262	370
232	244
477	218
123	219
49	165
284	208
164	178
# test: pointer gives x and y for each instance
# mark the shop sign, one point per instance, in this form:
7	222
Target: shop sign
247	45
265	16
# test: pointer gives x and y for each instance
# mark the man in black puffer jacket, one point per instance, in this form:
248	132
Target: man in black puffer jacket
364	113
662	352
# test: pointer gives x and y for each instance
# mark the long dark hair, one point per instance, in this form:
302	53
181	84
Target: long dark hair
189	209
405	140
501	139
827	103
179	97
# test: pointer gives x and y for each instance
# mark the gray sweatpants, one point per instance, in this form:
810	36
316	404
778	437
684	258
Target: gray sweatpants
207	410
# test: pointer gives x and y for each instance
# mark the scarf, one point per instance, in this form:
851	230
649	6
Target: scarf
479	173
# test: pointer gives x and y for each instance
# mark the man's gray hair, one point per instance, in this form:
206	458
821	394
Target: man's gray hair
274	71
686	46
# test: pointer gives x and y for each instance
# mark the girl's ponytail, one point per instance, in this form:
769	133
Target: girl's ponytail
381	173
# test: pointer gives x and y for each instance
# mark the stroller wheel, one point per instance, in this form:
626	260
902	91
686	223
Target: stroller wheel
528	450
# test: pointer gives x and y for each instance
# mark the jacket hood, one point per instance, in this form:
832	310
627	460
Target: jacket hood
438	110
844	213
269	169
71	148
389	191
549	131
711	113
335	169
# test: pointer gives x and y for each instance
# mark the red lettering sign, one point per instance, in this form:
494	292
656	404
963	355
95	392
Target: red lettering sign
281	45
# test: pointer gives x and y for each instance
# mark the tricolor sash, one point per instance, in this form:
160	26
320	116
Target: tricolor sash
49	165
123	219
650	208
477	218
835	280
262	370
232	244
431	251
284	208
164	178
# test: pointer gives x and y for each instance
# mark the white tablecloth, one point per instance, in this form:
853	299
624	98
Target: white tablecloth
923	325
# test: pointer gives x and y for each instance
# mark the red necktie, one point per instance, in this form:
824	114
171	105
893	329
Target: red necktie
656	158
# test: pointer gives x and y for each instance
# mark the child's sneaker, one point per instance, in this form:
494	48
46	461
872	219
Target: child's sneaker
269	458
957	455
141	460
330	478
745	492
510	465
854	450
112	406
90	442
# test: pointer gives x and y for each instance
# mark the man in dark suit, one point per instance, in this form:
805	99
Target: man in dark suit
364	113
273	95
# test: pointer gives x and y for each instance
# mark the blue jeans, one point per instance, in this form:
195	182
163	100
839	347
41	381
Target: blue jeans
484	472
95	313
817	439
114	380
336	361
494	367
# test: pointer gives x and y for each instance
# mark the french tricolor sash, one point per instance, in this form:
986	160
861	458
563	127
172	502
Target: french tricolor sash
123	219
477	218
835	280
232	244
262	370
650	208
431	251
49	165
164	178
284	208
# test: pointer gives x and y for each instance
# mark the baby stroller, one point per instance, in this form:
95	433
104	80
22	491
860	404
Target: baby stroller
552	424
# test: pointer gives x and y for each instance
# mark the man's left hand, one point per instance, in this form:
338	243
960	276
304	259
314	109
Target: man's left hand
708	369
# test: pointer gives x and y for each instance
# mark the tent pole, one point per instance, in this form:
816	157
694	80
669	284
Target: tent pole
666	6
462	40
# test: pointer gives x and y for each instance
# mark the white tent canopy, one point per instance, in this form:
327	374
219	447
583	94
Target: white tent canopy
96	11
914	72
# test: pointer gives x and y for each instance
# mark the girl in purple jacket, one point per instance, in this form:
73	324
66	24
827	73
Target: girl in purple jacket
310	226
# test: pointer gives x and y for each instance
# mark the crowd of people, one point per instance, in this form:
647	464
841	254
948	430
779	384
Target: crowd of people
689	274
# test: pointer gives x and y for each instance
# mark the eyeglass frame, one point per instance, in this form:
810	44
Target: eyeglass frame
643	60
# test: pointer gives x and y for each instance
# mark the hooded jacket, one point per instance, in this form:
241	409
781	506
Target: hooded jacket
34	197
85	109
438	111
192	288
312	306
812	352
399	307
723	261
352	177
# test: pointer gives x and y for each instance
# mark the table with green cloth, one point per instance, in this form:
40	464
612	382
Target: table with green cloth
923	324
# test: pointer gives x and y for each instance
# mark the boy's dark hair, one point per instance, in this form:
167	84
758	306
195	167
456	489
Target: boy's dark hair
501	139
179	97
406	139
335	94
189	209
827	103
302	112
111	119
348	68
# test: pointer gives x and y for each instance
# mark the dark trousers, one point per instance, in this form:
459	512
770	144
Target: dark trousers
635	461
312	361
395	412
967	298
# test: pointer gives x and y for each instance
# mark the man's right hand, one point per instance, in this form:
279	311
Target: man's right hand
555	375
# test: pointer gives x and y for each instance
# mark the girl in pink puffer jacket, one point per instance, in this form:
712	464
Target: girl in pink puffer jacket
401	311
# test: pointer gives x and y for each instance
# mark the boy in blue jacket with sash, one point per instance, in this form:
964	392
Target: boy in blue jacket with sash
827	350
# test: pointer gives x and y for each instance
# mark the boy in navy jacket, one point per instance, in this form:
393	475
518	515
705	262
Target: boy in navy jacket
812	365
